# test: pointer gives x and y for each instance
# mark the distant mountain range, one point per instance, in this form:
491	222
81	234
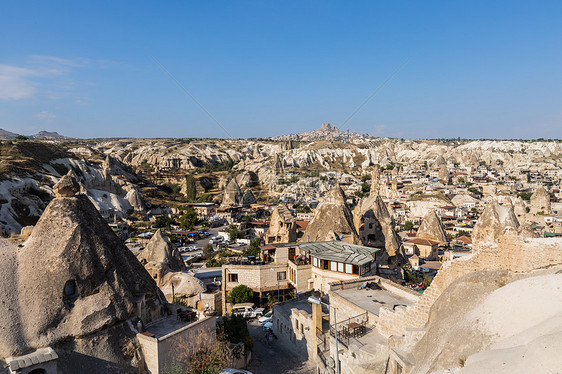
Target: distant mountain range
39	135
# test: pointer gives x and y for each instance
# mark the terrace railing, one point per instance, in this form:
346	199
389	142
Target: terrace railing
351	328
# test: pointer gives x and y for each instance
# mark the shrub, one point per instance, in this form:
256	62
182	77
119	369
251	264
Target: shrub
241	294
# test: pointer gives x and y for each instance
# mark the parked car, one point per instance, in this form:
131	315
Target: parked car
247	310
234	371
266	318
268	326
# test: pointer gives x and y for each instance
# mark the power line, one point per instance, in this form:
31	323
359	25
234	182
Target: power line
190	95
376	91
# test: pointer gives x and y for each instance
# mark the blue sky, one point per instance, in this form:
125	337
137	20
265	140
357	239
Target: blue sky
476	69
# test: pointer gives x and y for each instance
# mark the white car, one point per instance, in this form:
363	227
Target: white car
268	326
266	318
234	371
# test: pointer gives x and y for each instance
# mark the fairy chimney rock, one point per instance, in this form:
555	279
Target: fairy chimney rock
432	228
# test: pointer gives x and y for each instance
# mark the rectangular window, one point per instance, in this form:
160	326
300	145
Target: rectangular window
315	261
326	264
281	275
356	269
232	277
348	268
333	266
341	267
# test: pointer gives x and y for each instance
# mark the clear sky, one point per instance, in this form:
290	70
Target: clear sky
476	69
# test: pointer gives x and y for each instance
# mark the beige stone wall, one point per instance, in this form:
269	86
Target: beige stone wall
295	330
302	274
322	278
178	346
149	348
259	278
512	253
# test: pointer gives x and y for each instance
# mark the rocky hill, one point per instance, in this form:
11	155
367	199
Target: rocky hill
7	134
326	132
48	135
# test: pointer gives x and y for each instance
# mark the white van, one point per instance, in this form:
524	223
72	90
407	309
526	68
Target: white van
247	310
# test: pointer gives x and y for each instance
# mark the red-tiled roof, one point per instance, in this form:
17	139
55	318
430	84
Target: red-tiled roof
302	225
421	241
464	239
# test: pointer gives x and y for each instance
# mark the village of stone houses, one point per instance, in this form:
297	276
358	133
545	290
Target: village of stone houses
319	252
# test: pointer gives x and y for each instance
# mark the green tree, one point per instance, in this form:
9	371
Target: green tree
175	189
208	252
254	248
235	329
408	225
190	188
163	221
188	219
241	294
233	232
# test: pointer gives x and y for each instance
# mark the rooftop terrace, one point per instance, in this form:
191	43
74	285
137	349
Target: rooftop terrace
372	300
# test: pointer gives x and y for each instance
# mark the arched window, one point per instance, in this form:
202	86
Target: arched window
69	293
69	289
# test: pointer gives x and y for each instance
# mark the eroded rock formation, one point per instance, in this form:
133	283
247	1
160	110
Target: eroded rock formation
432	228
332	220
283	226
74	283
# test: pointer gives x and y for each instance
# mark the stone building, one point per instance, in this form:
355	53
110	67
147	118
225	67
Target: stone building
282	227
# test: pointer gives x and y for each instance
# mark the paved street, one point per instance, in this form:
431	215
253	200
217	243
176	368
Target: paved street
203	242
273	358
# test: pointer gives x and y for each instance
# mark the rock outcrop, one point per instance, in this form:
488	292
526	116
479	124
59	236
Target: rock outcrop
480	326
249	198
161	256
163	261
496	220
374	225
332	220
247	179
432	228
540	201
134	198
74	283
67	186
232	194
443	174
282	227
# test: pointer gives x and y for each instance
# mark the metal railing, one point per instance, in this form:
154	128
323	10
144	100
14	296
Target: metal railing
353	327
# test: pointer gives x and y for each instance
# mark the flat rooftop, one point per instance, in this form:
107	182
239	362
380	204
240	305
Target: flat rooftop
165	326
372	300
286	307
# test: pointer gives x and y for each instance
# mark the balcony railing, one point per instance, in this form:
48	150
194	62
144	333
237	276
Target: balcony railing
354	327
